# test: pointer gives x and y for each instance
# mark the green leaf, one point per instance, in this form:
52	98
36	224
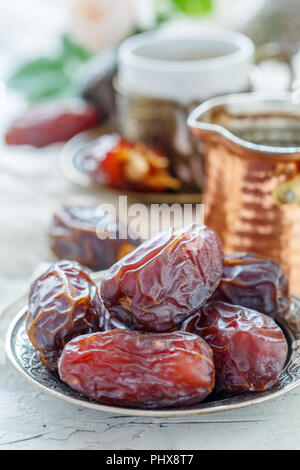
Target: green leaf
47	77
40	78
193	7
74	50
45	87
35	67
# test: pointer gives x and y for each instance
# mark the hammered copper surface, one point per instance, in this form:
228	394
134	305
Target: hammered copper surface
162	123
251	195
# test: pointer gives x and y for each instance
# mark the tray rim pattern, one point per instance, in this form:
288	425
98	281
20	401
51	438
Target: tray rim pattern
290	378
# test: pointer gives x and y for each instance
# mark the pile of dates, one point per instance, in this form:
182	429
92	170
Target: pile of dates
171	322
90	235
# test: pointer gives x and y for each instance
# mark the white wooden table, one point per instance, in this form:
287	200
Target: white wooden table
31	186
30	419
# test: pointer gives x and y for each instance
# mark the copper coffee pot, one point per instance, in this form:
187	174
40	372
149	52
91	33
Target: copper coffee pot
252	166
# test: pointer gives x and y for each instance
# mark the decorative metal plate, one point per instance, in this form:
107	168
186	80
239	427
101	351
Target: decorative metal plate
71	165
24	358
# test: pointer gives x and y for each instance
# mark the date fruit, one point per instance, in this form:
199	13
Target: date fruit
63	303
254	282
114	161
52	121
90	237
165	279
109	322
249	348
134	369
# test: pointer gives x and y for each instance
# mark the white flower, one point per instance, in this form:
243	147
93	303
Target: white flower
97	24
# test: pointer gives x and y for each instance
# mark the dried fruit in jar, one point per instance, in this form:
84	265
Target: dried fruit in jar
52	121
249	348
165	279
90	236
63	303
113	161
134	369
254	282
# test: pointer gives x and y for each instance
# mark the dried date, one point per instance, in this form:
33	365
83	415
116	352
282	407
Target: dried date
254	282
114	161
134	369
249	348
52	121
91	237
109	322
63	303
165	279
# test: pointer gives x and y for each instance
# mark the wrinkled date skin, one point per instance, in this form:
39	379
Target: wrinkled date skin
134	369
249	348
63	303
109	322
82	234
165	279
52	121
254	282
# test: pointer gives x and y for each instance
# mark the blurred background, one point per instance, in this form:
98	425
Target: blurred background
46	47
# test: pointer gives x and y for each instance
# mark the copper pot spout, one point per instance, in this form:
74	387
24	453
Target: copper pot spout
252	174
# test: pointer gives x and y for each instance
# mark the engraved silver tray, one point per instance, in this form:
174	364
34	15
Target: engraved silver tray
24	358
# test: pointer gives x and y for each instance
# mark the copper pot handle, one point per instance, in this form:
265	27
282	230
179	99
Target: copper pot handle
287	192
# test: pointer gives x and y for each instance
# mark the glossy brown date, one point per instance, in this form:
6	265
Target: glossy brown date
134	369
92	238
249	348
165	279
63	303
109	322
254	282
52	121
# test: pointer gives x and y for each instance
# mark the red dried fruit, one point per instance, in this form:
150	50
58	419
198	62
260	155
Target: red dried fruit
114	161
254	282
63	303
134	369
165	279
75	233
52	121
249	348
